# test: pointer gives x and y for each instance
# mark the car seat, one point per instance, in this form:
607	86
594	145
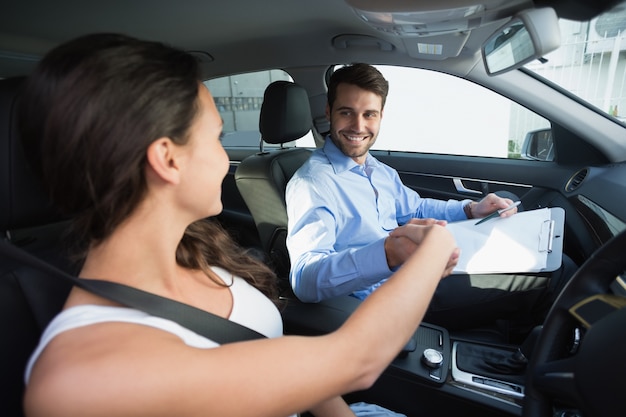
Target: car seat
29	299
262	178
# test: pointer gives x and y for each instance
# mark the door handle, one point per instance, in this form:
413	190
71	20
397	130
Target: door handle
458	184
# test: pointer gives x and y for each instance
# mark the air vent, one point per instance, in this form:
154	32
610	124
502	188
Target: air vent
576	180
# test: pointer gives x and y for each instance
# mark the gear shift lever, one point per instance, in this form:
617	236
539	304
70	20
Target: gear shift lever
525	351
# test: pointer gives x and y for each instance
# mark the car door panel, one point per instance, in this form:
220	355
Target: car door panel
537	184
447	176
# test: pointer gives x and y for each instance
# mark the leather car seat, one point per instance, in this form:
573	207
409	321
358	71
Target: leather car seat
262	178
29	299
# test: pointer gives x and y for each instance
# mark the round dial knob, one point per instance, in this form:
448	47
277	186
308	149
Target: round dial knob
432	358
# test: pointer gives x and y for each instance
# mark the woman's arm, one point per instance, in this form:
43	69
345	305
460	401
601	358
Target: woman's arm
125	369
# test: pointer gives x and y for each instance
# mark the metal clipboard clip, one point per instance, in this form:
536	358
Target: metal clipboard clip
546	235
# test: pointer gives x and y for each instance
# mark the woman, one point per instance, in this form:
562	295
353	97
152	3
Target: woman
128	140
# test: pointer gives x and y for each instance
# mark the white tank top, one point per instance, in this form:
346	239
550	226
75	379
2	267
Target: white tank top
250	308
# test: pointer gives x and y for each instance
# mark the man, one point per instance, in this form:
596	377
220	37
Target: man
343	203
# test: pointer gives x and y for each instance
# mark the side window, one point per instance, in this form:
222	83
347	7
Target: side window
238	99
431	112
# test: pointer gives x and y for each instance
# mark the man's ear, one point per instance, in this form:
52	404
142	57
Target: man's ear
161	156
327	112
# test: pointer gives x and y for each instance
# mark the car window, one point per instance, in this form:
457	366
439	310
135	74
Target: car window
238	99
431	112
591	61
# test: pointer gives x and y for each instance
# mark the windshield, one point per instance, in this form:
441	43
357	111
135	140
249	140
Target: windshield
591	61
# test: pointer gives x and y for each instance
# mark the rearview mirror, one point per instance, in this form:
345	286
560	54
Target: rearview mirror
528	36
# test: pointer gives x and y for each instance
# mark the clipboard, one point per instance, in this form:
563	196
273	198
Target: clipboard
529	241
555	251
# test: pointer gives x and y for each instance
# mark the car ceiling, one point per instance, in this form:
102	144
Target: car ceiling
245	35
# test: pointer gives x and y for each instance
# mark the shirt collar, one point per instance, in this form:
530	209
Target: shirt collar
339	161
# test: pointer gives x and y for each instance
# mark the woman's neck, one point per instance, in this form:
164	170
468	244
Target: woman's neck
140	252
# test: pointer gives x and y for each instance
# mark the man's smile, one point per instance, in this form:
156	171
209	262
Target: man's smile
355	138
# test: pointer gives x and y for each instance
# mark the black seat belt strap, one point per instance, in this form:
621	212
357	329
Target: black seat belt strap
209	325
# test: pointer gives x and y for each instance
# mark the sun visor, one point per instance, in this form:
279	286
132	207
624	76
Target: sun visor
430	34
424	23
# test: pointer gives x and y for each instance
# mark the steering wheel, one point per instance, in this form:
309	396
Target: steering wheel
591	378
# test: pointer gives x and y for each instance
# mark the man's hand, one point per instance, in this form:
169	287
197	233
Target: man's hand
491	203
403	241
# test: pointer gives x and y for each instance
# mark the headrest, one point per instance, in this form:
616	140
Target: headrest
285	113
23	202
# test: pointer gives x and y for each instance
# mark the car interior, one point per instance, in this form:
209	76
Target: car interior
29	298
569	365
261	178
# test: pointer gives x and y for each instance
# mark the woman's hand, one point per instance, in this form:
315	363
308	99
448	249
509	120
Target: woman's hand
404	240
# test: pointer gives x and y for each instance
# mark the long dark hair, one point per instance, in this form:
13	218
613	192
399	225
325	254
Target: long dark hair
207	243
87	116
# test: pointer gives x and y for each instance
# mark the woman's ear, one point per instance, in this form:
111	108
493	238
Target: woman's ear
161	156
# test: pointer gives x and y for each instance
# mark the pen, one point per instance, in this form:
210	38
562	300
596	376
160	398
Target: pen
497	213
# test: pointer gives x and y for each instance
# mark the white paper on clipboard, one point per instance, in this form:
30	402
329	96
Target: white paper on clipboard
515	244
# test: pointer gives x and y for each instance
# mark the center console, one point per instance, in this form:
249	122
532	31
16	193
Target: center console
487	369
427	355
482	375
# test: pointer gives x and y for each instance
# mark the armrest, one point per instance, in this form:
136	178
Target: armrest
324	317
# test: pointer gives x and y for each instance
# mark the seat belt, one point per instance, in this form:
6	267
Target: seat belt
202	322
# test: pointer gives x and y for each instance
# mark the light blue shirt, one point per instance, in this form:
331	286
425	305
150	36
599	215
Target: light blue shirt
339	215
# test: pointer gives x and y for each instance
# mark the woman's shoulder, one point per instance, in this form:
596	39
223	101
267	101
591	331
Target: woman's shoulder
250	307
84	315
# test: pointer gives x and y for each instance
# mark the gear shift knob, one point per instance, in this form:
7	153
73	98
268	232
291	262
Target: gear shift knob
525	351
